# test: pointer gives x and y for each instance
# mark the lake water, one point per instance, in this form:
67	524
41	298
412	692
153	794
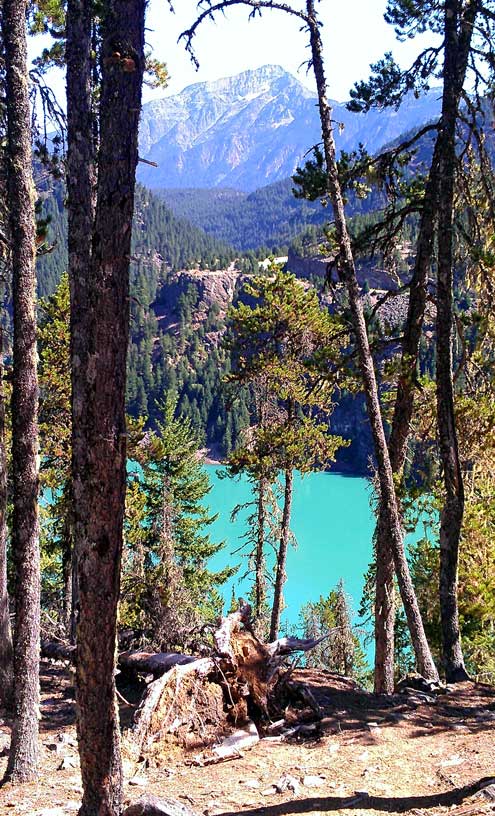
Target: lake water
333	524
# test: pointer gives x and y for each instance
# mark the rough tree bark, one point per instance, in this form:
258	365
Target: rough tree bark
99	460
23	758
281	575
260	582
6	648
388	501
458	33
80	177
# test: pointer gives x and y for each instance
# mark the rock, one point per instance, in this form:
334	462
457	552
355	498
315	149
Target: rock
56	747
313	781
451	761
251	783
56	811
485	715
416	683
138	781
419	697
287	782
68	762
269	791
67	739
153	806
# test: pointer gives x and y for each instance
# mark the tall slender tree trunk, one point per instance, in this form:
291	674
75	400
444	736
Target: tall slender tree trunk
384	609
281	574
81	180
259	567
67	600
6	648
453	509
443	158
23	758
99	471
389	508
401	424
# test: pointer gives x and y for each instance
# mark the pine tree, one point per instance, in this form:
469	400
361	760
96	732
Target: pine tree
24	751
283	346
167	585
347	272
341	652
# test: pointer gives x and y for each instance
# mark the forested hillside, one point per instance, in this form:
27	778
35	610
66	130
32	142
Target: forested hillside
178	317
160	241
269	218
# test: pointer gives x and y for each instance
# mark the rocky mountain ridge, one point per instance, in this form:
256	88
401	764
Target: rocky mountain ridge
253	129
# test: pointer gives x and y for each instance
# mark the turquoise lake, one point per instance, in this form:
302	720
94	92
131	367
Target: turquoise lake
333	525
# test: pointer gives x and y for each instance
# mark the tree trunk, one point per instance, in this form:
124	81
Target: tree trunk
81	177
453	509
384	610
68	584
99	471
399	434
23	758
389	508
260	583
6	648
453	82
281	574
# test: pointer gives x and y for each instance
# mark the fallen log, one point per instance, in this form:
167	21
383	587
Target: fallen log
138	661
152	662
58	650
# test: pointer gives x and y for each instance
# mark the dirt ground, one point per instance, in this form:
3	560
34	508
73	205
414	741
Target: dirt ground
368	756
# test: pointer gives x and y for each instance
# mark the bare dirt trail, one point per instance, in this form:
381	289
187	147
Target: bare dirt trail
410	754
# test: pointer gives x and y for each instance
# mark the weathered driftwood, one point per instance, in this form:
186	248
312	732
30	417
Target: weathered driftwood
198	701
288	645
240	740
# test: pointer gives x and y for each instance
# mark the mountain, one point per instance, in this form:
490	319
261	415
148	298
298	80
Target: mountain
253	129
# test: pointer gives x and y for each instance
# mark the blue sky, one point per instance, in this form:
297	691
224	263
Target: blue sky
354	35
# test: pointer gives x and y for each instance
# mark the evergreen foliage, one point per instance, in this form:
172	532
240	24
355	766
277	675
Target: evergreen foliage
168	590
341	652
